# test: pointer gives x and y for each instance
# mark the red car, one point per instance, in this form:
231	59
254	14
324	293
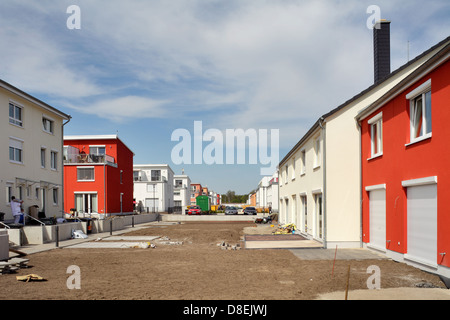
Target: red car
194	210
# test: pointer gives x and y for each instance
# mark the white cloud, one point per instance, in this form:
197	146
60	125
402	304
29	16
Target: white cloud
125	109
273	64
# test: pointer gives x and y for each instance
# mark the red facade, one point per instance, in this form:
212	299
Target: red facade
405	158
98	175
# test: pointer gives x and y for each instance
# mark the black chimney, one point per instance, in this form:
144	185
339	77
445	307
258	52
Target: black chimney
382	49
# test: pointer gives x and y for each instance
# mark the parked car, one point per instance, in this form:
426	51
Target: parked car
250	210
231	210
194	210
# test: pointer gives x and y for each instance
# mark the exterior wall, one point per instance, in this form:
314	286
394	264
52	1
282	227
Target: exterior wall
307	181
163	189
29	174
401	162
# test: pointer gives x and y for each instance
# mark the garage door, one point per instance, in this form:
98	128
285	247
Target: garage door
422	223
377	228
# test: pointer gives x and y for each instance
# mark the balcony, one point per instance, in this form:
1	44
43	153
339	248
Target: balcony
73	156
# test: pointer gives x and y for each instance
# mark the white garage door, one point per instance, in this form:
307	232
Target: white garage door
422	223
377	207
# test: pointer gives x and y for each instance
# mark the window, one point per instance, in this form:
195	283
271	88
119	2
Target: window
55	196
47	125
54	160
15	114
85	174
303	162
9	193
97	150
317	152
376	135
420	112
286	173
156	175
15	150
42	157
293	169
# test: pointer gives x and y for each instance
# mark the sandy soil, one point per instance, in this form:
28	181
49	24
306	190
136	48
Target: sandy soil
198	269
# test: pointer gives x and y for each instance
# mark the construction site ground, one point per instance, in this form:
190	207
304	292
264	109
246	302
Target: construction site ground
200	261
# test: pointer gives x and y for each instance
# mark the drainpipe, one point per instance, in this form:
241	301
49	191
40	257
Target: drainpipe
104	188
324	175
358	123
62	169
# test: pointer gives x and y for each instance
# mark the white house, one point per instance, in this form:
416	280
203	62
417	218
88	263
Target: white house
261	192
266	193
181	192
272	193
31	137
319	185
153	187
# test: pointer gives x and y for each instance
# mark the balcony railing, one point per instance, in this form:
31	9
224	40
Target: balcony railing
89	158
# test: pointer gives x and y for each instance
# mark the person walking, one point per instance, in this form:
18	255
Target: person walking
16	209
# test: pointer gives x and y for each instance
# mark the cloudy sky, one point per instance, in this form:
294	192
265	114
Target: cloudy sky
146	68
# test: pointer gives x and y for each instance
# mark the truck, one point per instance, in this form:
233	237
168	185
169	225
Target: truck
204	203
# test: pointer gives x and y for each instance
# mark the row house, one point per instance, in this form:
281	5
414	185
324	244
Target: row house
32	132
98	175
196	190
181	192
272	193
404	165
154	187
319	178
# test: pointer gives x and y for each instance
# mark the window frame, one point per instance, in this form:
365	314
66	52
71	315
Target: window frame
302	162
317	152
376	126
55	196
13	120
84	168
54	160
51	124
154	178
97	147
43	157
14	149
420	93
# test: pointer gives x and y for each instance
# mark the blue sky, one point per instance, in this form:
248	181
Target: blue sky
146	68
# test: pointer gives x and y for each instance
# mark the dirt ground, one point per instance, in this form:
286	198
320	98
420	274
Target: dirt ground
197	269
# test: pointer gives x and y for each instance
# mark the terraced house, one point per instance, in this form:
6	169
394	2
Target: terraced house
405	175
32	144
319	178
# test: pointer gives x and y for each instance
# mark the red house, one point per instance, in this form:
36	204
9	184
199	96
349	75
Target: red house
405	159
196	190
98	175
